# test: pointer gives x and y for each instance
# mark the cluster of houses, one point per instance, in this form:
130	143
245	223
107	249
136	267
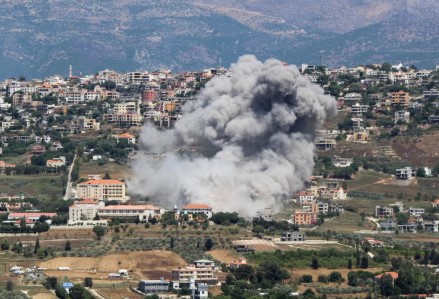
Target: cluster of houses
359	101
387	221
318	199
196	277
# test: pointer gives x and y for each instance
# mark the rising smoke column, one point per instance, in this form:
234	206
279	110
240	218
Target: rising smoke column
255	133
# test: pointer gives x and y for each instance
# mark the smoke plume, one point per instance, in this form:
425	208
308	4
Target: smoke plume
254	133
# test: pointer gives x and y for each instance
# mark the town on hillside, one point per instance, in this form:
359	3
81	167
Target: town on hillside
365	225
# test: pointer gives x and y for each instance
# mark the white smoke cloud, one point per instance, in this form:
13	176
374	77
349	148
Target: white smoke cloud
255	134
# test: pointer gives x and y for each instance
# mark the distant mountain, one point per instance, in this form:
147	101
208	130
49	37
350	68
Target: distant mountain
39	37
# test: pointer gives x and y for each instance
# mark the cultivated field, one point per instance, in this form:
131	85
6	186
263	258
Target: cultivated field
100	267
39	186
119	293
115	170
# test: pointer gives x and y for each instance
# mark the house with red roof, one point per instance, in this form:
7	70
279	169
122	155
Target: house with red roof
126	136
394	276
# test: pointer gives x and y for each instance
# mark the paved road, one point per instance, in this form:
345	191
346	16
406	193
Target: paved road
68	194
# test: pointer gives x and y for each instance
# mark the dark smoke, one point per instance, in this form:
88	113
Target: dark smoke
255	133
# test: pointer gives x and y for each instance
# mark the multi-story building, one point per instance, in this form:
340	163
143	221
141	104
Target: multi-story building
306	198
125	119
126	107
406	173
383	212
416	212
84	210
102	190
87	123
205	275
194	208
293	237
324	143
402	116
142	212
359	109
154	286
301	217
400	97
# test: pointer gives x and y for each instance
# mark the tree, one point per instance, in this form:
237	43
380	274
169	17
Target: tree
99	231
107	176
386	285
420	172
5	245
51	283
364	264
307	278
315	263
37	246
208	244
258	229
78	292
335	276
88	282
244	272
308	294
67	247
9	285
350	264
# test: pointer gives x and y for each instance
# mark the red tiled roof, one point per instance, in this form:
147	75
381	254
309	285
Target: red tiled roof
196	206
87	201
129	207
126	135
29	214
393	274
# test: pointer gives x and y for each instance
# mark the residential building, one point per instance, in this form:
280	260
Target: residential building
383	212
126	136
431	226
398	205
7	168
373	242
293	237
102	190
406	173
342	162
29	216
185	274
204	264
301	217
416	212
142	212
360	137
324	143
38	149
154	286
387	225
400	97
435	203
358	109
394	276
306	198
194	208
402	116
87	123
56	162
126	119
353	96
86	209
238	263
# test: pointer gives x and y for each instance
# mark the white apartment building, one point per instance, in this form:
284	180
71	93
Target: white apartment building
359	109
102	190
416	211
143	212
198	274
402	116
127	107
198	208
84	210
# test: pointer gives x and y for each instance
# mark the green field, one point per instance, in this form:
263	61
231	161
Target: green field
116	171
38	186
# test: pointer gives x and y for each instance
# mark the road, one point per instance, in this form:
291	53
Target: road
68	194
